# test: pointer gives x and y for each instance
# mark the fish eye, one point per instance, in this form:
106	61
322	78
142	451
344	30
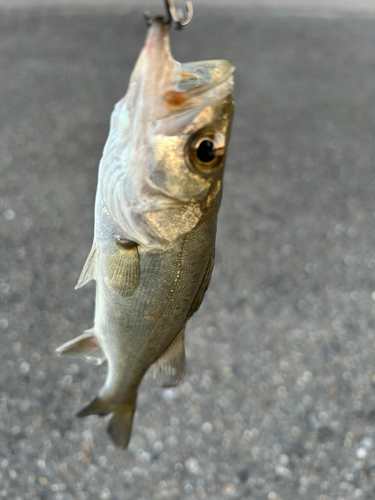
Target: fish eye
206	152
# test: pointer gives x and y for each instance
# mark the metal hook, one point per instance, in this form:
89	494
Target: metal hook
176	16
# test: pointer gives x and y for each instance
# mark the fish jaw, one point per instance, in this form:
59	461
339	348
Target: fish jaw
161	87
145	176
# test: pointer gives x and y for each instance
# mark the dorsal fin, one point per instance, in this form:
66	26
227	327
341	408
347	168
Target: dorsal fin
86	346
89	269
169	369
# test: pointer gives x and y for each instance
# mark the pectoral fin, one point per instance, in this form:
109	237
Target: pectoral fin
89	269
86	346
169	369
123	268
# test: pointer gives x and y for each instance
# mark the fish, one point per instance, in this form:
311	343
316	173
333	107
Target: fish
158	195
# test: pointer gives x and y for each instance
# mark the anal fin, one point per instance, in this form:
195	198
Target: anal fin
86	346
169	369
89	269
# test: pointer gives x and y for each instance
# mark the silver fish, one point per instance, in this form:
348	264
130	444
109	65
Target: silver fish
158	196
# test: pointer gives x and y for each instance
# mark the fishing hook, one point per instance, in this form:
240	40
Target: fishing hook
175	17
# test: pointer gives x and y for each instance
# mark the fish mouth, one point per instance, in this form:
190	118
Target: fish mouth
199	77
167	87
197	84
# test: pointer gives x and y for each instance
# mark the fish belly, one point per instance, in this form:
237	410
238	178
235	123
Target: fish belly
135	330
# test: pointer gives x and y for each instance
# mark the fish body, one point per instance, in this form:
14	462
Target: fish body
158	196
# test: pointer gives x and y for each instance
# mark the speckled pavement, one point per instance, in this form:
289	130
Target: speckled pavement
279	397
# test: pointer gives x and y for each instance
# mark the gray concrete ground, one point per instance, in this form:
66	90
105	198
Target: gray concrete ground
279	397
316	5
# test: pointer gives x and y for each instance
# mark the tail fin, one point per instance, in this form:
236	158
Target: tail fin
119	428
96	407
120	425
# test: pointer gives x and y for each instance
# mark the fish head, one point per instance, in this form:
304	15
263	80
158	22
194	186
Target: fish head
172	132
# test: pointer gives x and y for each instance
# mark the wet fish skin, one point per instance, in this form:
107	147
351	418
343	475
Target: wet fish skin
155	224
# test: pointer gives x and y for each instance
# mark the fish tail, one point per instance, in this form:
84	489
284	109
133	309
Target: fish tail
119	428
120	425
